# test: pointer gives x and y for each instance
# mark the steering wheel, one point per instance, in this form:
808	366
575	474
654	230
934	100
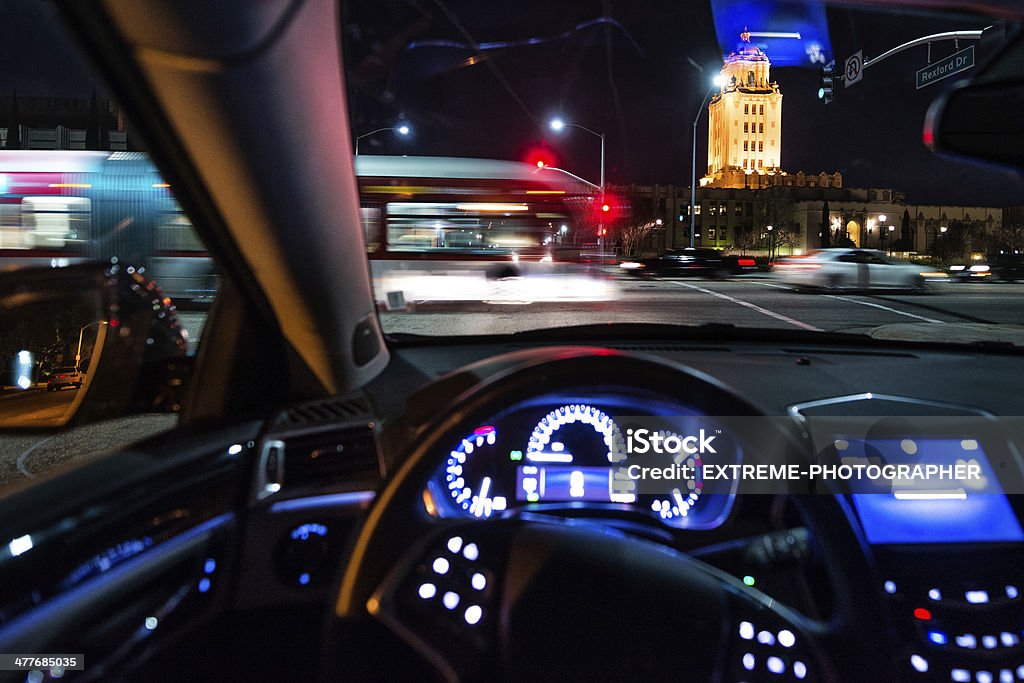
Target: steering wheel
530	597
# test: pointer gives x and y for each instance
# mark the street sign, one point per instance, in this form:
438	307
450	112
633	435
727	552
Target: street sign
946	67
853	70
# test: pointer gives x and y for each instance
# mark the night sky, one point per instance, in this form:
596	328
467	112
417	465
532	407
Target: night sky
626	68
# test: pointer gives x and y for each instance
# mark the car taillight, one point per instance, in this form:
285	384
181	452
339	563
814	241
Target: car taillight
746	262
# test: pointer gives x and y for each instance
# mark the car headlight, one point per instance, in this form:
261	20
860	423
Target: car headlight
979	269
630	265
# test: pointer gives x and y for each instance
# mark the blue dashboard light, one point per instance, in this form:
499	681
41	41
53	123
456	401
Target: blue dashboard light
937	637
204	585
210	565
303	579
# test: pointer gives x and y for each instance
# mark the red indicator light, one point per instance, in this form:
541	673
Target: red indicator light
922	614
483	430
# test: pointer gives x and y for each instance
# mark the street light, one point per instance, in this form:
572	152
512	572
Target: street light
716	82
558	125
81	331
881	231
892	238
771	243
402	130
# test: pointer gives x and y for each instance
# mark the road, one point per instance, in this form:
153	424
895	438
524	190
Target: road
954	312
754	301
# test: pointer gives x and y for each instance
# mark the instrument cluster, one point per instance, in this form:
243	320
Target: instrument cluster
567	454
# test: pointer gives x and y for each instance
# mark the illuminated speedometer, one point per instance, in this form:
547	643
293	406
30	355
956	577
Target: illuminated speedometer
548	442
470	477
680	499
568	456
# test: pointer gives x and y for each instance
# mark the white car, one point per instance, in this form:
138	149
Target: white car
852	269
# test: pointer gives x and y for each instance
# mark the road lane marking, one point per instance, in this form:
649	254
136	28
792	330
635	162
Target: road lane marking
753	307
863	303
885	308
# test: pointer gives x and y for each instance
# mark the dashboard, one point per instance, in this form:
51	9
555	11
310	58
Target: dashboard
568	453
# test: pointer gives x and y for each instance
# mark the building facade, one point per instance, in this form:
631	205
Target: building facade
744	120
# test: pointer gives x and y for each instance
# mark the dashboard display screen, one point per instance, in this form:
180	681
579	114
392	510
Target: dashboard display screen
975	511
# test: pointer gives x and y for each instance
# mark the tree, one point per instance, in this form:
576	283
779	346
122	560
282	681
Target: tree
1009	238
93	133
906	235
633	235
826	227
14	125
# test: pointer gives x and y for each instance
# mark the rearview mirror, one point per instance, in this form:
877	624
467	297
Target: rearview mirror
983	118
86	343
982	121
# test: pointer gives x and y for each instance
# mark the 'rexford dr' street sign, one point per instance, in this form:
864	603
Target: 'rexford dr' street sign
944	68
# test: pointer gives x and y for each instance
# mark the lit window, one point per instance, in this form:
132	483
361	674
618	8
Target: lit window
746	108
762	110
746	127
745	146
760	146
760	127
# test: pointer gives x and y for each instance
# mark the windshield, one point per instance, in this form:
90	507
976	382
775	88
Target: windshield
536	166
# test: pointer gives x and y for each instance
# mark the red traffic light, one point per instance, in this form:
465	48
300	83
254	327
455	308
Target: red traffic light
606	208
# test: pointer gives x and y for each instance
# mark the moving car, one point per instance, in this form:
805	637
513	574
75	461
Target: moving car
840	269
346	494
994	268
690	262
65	377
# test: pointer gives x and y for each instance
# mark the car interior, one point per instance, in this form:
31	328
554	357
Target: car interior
335	503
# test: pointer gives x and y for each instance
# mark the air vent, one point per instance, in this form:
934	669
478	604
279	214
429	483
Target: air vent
329	410
331	457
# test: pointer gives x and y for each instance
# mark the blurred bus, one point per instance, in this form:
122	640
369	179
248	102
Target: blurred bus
500	230
497	230
59	208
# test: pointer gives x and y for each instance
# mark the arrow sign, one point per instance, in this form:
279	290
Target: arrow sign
944	68
853	69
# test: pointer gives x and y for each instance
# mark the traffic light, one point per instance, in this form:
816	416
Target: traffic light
827	90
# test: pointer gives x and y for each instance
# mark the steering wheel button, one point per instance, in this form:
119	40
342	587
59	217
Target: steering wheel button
450	600
935	594
471	552
890	587
1005	676
1008	639
478	581
427	591
937	637
473	614
967	641
919	663
989	642
976	597
749	661
746	630
455	544
799	670
960	675
1012	592
776	665
441	565
786	638
1020	672
765	638
984	677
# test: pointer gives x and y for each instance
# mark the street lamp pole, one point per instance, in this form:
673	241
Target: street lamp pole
81	331
559	124
401	130
693	166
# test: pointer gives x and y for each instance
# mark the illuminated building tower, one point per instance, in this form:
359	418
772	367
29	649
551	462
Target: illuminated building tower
744	121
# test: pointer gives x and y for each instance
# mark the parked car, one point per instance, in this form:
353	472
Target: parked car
995	267
852	269
65	377
690	262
